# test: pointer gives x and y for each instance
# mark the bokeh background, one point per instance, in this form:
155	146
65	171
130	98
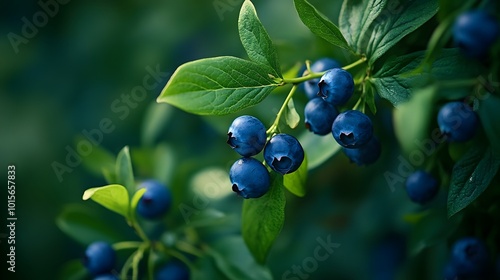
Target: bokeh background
76	68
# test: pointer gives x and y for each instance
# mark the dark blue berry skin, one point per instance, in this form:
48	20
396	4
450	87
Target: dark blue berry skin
311	87
457	121
352	129
319	116
336	86
421	187
156	201
249	177
283	153
366	154
450	271
470	258
474	32
247	135
99	258
172	271
106	277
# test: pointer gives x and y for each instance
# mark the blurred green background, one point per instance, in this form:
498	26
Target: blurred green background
76	68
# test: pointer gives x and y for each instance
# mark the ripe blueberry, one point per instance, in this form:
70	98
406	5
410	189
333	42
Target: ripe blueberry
156	201
352	129
421	187
249	177
470	257
311	87
99	258
106	277
457	121
283	153
247	136
319	116
366	154
336	86
475	31
172	271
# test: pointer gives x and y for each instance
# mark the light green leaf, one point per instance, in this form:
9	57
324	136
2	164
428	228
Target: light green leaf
255	39
235	261
470	177
397	79
85	226
296	182
412	119
356	17
124	172
292	117
218	86
263	218
113	197
318	148
490	120
395	22
320	25
135	200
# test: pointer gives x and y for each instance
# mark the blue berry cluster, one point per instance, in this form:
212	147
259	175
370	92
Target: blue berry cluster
469	259
247	136
352	129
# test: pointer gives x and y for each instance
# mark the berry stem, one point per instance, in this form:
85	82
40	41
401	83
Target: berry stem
314	75
274	127
127	245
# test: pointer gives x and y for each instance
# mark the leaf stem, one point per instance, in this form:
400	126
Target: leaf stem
355	63
274	127
127	245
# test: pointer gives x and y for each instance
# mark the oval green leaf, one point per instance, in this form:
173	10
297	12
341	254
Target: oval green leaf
296	182
113	197
218	86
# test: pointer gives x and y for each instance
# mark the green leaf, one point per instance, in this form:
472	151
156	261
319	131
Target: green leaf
113	197
470	177
370	97
156	119
86	226
412	119
73	270
397	79
99	160
292	117
296	182
218	86
395	22
318	148
320	25
356	17
135	200
490	120
263	218
124	172
235	261
255	39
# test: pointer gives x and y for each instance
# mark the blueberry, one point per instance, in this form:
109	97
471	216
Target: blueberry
156	201
475	31
249	177
247	135
352	129
99	258
457	121
319	116
470	257
336	86
421	187
311	87
172	271
106	277
450	271
366	154
283	153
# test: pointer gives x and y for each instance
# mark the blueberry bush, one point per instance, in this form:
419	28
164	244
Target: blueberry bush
425	72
